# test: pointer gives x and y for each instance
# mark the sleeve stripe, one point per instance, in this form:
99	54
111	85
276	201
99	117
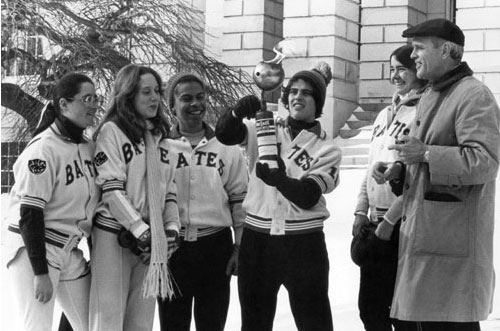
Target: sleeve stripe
171	200
33	202
113	185
234	198
123	209
321	182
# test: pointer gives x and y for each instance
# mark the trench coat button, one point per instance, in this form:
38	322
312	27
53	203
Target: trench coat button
418	123
403	219
407	186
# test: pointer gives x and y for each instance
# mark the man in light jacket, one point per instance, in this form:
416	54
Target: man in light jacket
445	278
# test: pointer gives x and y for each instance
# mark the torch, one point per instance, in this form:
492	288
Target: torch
268	76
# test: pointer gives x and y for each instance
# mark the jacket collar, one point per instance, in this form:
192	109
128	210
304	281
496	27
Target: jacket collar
451	77
176	134
60	131
410	99
316	129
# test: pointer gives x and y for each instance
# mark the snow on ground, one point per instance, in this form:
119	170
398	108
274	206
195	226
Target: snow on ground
344	274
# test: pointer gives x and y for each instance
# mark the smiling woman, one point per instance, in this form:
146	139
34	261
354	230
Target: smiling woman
52	205
137	220
376	203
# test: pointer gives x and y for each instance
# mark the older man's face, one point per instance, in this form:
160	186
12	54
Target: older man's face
429	59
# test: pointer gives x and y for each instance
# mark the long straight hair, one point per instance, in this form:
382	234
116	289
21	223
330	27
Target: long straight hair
66	87
121	109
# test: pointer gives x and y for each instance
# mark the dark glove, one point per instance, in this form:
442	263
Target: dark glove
247	106
144	241
127	240
272	177
173	239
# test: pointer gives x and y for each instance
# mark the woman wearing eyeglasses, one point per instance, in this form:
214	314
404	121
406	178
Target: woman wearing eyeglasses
51	207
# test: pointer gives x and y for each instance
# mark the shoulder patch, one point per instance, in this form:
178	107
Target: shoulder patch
37	166
100	158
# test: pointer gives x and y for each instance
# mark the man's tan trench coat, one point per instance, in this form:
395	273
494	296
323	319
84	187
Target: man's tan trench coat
445	268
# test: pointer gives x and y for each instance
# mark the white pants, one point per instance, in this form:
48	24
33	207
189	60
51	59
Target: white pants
71	283
116	302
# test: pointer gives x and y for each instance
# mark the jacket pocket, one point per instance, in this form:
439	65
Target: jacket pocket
443	229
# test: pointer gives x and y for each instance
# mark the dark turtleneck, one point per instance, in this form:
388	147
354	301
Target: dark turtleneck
69	129
31	223
451	77
297	126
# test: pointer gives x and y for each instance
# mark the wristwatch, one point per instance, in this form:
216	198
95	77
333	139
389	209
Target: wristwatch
427	154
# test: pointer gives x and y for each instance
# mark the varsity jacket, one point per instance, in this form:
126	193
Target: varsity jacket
56	175
121	167
391	123
212	181
310	155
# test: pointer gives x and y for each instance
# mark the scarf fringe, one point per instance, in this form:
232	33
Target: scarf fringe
158	282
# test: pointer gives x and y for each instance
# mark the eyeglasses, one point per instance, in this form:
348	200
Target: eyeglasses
90	100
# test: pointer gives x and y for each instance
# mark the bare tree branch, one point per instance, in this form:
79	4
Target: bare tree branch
101	36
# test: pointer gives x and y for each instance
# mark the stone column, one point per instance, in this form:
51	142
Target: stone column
251	28
326	30
479	22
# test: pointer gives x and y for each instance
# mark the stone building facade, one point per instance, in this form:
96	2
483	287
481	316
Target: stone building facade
355	37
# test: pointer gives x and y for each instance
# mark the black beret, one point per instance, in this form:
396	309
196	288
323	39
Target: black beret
438	27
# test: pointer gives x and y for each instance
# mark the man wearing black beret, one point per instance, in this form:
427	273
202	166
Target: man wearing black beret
445	278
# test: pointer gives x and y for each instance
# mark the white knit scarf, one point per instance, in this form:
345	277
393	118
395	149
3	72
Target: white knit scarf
158	282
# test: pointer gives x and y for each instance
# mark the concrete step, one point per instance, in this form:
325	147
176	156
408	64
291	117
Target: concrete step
354	160
356	148
360	149
364	115
357	124
353	166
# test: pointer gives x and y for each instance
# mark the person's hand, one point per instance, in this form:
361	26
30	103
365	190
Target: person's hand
271	177
232	264
393	171
384	230
173	241
360	221
378	170
43	288
410	150
144	241
247	107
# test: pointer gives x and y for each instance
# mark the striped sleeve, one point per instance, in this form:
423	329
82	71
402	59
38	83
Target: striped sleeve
35	203
35	174
112	176
363	204
236	186
171	219
325	171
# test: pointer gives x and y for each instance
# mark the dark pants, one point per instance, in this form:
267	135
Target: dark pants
436	326
376	288
300	263
64	324
198	269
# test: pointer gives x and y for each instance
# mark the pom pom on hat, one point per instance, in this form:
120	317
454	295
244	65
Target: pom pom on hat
175	80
